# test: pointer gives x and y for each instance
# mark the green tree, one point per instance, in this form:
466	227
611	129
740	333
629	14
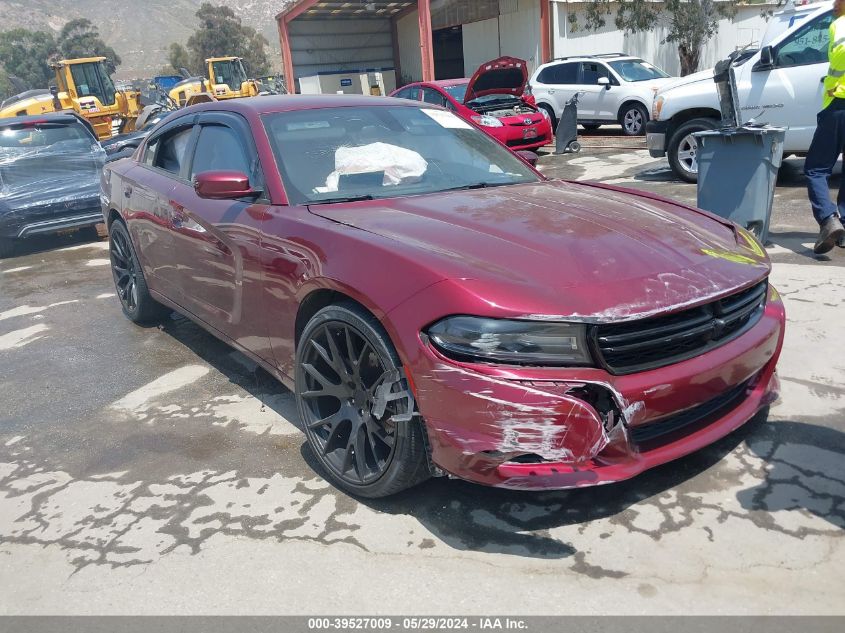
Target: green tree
25	54
690	24
220	34
180	58
80	38
5	86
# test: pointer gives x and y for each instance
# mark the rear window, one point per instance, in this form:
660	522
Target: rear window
457	92
559	74
27	136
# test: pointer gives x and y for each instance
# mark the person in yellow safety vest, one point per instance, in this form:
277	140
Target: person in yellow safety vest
829	142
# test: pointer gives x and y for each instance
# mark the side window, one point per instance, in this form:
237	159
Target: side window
170	150
559	74
432	96
150	152
412	93
591	71
219	148
808	45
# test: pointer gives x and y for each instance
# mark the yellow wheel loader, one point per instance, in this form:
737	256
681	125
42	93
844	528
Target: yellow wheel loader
84	86
225	78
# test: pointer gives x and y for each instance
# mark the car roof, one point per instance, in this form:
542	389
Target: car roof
287	103
447	83
607	57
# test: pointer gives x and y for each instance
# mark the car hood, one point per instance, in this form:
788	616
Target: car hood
704	75
505	75
568	250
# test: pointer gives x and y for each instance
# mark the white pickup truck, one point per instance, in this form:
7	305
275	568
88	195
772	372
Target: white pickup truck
780	84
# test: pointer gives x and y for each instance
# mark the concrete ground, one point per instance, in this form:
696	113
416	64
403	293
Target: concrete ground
155	471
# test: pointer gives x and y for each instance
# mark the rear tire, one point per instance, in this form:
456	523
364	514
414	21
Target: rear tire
129	283
343	355
551	114
682	147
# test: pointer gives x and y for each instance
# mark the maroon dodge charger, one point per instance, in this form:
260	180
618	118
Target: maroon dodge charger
436	304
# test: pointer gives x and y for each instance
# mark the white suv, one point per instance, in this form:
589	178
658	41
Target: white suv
617	88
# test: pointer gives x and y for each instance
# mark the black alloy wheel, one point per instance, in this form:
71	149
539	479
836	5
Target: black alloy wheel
355	404
123	270
129	282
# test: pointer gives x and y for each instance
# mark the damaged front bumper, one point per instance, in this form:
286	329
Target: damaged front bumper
557	428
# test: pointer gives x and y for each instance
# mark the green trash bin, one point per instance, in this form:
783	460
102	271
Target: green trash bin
737	173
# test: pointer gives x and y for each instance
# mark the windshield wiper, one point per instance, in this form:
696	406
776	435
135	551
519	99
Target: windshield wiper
477	185
342	199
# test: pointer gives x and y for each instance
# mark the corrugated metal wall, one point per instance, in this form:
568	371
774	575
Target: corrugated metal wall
445	13
515	32
481	44
329	45
519	28
408	33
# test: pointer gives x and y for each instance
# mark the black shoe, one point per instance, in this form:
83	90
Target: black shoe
831	233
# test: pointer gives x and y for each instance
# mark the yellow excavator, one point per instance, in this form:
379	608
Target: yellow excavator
225	78
82	85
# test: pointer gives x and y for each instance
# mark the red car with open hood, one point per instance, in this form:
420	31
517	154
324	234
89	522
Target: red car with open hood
437	305
494	99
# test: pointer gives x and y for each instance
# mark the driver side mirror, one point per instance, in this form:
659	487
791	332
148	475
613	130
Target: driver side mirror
604	81
223	185
767	58
528	156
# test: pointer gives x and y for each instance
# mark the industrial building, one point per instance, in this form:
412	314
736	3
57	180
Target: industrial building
418	40
411	40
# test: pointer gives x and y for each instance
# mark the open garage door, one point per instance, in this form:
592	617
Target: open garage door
448	53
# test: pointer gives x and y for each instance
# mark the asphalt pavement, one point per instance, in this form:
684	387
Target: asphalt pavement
155	471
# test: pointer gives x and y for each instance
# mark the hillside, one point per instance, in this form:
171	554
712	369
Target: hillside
140	32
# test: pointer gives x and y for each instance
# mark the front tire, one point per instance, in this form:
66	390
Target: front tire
355	404
129	282
551	114
633	118
682	149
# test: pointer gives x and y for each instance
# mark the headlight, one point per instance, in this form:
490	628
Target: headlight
488	121
508	341
544	112
656	107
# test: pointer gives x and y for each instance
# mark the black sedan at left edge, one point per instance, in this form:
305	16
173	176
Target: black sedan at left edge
50	168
